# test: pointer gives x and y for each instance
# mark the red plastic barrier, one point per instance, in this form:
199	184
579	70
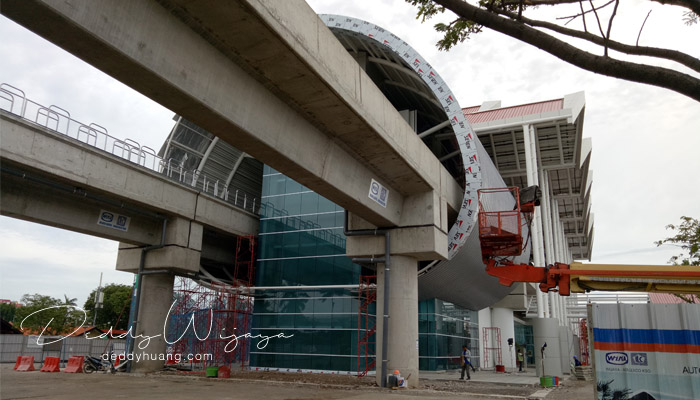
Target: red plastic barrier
19	359
26	363
51	365
75	365
224	372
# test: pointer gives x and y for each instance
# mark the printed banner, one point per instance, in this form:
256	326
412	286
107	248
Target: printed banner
647	351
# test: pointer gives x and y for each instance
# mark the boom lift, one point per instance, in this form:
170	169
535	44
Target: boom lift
500	234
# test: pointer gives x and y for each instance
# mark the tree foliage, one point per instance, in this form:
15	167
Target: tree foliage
687	237
45	313
116	303
7	311
509	17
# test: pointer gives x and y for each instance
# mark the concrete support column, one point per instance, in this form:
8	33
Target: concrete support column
402	349
546	330
536	227
156	299
566	349
503	318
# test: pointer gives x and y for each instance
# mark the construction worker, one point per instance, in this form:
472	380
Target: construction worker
521	358
466	359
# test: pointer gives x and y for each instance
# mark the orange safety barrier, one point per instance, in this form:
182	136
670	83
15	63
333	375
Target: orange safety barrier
51	365
19	360
75	365
26	363
224	372
120	359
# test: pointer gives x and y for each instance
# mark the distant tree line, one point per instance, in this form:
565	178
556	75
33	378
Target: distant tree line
53	316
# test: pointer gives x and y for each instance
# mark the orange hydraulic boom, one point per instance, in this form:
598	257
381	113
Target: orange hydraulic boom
500	233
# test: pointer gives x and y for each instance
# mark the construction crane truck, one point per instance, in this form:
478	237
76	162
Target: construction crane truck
501	237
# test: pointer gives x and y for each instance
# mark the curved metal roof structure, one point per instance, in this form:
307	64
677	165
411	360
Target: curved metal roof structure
236	175
415	88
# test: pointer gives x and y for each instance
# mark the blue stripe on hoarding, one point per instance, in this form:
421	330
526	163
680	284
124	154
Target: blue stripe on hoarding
655	336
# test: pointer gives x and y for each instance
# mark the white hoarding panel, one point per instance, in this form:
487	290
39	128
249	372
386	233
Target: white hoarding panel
647	351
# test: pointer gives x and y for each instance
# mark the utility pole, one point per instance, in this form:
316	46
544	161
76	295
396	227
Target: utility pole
99	297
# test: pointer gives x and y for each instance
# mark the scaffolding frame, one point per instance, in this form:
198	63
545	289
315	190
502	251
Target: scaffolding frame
366	325
209	322
496	334
583	341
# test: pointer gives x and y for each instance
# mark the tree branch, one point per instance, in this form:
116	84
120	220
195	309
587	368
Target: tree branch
583	17
539	2
582	13
610	22
668	54
652	75
605	40
693	5
642	28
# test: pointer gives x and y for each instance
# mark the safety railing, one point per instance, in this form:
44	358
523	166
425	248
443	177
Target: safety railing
14	101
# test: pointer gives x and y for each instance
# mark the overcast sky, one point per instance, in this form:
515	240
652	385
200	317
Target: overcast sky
646	140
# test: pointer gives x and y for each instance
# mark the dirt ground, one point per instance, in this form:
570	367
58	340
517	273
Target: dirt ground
326	380
573	389
261	385
569	389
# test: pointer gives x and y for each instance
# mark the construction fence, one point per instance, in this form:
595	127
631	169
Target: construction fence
13	346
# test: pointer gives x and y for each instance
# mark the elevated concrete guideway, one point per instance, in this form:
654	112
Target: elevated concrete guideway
49	163
269	78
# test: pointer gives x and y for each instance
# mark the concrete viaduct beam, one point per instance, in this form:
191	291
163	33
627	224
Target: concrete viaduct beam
72	164
266	76
53	180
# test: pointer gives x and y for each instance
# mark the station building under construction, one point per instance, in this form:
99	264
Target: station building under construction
304	284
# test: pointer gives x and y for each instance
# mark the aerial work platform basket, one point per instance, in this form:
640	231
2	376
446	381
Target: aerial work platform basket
500	232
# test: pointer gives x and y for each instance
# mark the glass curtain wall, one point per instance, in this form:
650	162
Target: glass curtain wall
443	328
301	242
524	337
